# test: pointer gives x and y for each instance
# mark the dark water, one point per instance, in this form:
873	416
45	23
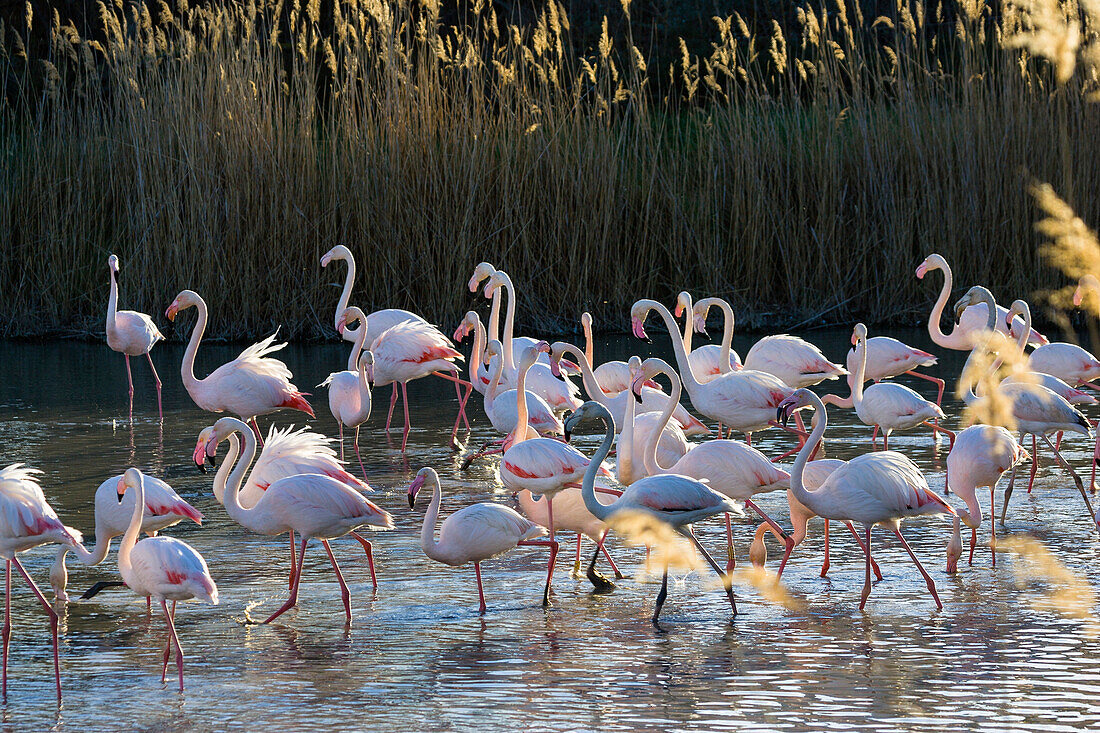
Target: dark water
418	656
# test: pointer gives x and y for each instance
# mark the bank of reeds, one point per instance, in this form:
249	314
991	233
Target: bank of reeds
803	176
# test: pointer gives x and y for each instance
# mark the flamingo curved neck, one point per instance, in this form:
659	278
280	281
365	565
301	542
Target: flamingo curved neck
520	431
497	365
345	295
222	474
861	373
112	303
187	368
236	477
649	455
587	375
625	452
427	533
820	422
689	323
727	334
509	320
478	354
586	326
494	317
357	349
602	512
130	538
972	517
934	330
691	384
968	395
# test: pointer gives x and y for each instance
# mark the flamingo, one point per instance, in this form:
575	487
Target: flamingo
882	487
729	467
1037	410
794	360
131	334
411	350
887	358
543	466
709	359
474	533
285	453
649	399
814	474
501	405
744	400
478	363
349	390
1069	362
890	406
377	322
251	385
163	568
571	515
163	508
679	501
311	504
971	322
612	376
980	456
638	431
26	521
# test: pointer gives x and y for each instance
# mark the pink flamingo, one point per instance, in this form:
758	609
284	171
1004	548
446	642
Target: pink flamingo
312	504
707	360
27	521
729	467
380	321
794	360
163	568
163	508
478	363
638	431
612	376
890	406
543	466
1069	362
882	487
887	358
474	533
131	334
814	474
980	456
679	501
349	390
969	323
571	515
285	453
253	384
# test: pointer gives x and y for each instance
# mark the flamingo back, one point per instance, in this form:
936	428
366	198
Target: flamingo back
164	567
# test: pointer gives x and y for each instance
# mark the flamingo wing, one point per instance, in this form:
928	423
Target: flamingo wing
24	512
168	568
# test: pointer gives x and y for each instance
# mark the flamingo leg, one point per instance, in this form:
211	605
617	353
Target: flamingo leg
174	639
599	582
553	551
726	584
340	427
927	578
787	539
1095	458
130	381
293	564
7	622
408	424
874	565
485	451
345	594
661	596
551	543
461	417
156	378
867	574
1034	463
729	545
167	656
606	554
577	561
393	401
993	528
370	555
480	590
973	542
53	621
874	435
290	602
256	429
1008	491
1076	479
939	384
1058	440
885	440
825	562
358	456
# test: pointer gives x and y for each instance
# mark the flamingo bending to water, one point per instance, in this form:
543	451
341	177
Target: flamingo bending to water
162	568
251	385
131	334
349	391
707	360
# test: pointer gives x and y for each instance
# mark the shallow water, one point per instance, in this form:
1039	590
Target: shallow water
418	656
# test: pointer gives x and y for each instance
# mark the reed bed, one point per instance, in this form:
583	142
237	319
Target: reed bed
801	173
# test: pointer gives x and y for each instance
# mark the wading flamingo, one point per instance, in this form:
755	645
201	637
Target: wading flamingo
794	360
349	390
980	456
163	508
612	376
970	323
638	431
131	334
729	467
1037	410
162	568
474	533
707	360
478	362
251	385
571	515
887	358
1069	362
890	406
27	521
814	474
883	487
311	504
679	501
543	466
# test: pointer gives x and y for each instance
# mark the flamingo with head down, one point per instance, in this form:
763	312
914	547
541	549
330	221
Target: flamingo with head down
131	334
707	360
638	431
349	398
253	384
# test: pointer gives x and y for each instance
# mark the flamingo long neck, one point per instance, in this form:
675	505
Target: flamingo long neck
478	354
222	475
112	302
861	372
1025	332
509	321
345	296
586	325
689	322
625	452
973	514
588	485
587	375
727	334
691	384
95	557
427	532
494	317
130	538
187	368
232	489
357	349
520	431
821	420
968	395
649	454
934	329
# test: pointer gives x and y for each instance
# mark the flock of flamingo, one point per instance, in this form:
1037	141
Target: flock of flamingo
298	486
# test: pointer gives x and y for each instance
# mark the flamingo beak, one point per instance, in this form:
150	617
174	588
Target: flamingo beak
638	329
636	389
1078	297
172	311
414	488
121	488
555	368
922	270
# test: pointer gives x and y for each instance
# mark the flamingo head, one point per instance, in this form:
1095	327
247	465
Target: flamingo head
350	315
366	361
954	547
1019	308
131	479
529	356
699	316
587	411
586	321
466	326
796	401
683	303
976	294
931	262
496	280
425	475
638	329
112	263
482	271
186	299
859	333
206	449
339	252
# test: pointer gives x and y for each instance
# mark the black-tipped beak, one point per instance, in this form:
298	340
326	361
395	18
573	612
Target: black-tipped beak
637	397
779	416
568	435
412	501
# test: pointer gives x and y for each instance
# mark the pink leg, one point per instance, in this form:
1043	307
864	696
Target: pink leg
927	578
867	575
393	401
290	602
480	590
939	384
461	416
345	594
729	545
256	429
603	548
787	539
130	381
874	565
1034	464
553	551
359	457
53	621
1095	458
885	440
175	640
874	435
167	648
825	563
340	427
7	622
408	425
156	377
553	545
992	527
1058	441
293	564
370	555
577	561
973	542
